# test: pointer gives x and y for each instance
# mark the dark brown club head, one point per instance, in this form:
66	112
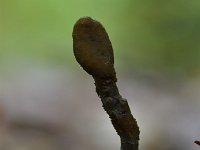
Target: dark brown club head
93	49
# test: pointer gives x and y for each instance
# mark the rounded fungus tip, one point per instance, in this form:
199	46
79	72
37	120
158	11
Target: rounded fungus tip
92	48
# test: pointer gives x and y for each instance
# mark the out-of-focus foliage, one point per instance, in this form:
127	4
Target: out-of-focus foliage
155	35
163	34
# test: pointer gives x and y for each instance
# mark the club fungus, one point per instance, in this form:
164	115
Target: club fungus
93	51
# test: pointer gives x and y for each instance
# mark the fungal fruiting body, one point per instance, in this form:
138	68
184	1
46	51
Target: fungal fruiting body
93	51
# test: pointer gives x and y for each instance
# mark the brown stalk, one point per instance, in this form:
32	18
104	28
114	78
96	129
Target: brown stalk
93	51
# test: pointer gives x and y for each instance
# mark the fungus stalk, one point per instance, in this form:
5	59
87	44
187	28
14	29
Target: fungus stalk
93	51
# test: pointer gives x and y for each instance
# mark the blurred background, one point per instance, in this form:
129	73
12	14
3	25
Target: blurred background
47	102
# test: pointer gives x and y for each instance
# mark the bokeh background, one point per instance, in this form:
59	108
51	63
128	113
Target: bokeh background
47	102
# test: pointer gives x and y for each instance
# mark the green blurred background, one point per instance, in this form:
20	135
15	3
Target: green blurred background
153	35
43	90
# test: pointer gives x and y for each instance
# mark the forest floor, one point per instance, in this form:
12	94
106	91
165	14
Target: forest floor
52	109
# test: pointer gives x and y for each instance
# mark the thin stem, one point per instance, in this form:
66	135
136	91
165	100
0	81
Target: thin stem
119	113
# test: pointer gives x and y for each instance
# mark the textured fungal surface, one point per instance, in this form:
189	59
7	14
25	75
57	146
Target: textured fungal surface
92	48
93	51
